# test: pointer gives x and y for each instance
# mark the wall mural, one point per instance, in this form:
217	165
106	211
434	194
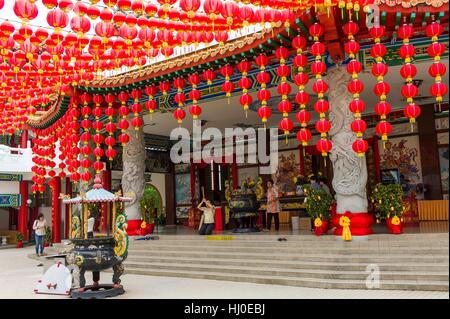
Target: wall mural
288	168
183	189
403	153
443	163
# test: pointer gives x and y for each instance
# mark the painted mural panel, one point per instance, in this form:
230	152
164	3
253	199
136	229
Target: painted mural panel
443	162
404	153
183	189
288	168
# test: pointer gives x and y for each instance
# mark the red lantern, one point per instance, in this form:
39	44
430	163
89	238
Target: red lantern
323	126
359	126
360	146
383	129
412	111
179	115
324	146
303	117
286	125
264	113
303	136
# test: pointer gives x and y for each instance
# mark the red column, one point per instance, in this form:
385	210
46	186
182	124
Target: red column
24	139
23	210
68	191
23	186
106	180
56	211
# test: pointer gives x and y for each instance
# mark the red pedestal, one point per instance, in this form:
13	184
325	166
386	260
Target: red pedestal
359	223
23	210
394	229
134	227
218	220
323	229
56	210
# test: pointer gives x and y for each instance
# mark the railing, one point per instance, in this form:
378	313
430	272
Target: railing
15	160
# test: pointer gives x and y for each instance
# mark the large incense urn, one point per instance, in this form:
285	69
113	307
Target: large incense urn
98	253
244	208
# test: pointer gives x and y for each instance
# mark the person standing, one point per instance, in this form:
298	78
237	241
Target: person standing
324	186
207	223
39	227
91	223
273	206
314	184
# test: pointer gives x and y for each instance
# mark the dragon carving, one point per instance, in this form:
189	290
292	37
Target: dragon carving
350	171
133	171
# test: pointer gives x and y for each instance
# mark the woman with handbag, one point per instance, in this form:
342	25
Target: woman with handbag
39	227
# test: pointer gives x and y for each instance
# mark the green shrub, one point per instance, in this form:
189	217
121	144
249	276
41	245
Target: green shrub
318	202
388	200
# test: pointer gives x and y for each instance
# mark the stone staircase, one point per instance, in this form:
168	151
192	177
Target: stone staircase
407	262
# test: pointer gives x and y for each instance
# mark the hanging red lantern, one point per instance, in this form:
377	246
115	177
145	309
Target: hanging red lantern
179	115
264	112
244	83
324	146
383	129
437	69
195	95
303	136
360	147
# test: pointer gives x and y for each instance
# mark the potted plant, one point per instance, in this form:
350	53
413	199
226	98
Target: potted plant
48	237
148	207
318	206
388	202
19	239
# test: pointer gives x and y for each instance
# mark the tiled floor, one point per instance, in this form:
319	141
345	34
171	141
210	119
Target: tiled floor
19	275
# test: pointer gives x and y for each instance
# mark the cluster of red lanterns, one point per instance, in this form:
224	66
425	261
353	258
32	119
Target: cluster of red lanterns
437	69
263	95
284	89
320	87
381	88
408	71
355	86
302	97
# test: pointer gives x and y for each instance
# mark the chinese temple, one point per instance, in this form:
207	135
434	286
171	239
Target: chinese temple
357	90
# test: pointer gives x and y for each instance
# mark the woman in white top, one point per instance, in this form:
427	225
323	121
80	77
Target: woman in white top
90	227
39	227
207	225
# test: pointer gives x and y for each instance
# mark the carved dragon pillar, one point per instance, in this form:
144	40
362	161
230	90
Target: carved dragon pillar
133	177
349	170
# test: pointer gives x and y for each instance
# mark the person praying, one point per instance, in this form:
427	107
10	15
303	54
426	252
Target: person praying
206	226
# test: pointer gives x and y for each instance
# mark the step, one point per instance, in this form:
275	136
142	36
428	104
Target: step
295	273
295	250
299	244
299	282
443	267
300	257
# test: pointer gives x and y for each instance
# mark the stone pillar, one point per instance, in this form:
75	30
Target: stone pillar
133	177
349	170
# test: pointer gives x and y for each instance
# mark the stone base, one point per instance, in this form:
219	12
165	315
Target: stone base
354	238
359	224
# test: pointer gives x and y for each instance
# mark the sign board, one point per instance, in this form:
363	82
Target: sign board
10	200
10	177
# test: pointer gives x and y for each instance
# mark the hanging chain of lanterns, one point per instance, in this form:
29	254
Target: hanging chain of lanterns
85	137
180	99
245	84
284	89
437	69
136	108
227	86
194	96
381	88
150	105
263	95
302	97
408	71
110	127
320	87
123	123
355	86
98	137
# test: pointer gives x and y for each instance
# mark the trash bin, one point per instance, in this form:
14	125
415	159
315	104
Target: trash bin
295	222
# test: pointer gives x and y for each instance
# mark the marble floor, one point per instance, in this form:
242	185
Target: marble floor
19	275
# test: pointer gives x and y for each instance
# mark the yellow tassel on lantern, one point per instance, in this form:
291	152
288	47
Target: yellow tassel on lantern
317	222
395	221
344	222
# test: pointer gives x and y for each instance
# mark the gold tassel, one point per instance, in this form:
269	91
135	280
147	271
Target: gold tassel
344	222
